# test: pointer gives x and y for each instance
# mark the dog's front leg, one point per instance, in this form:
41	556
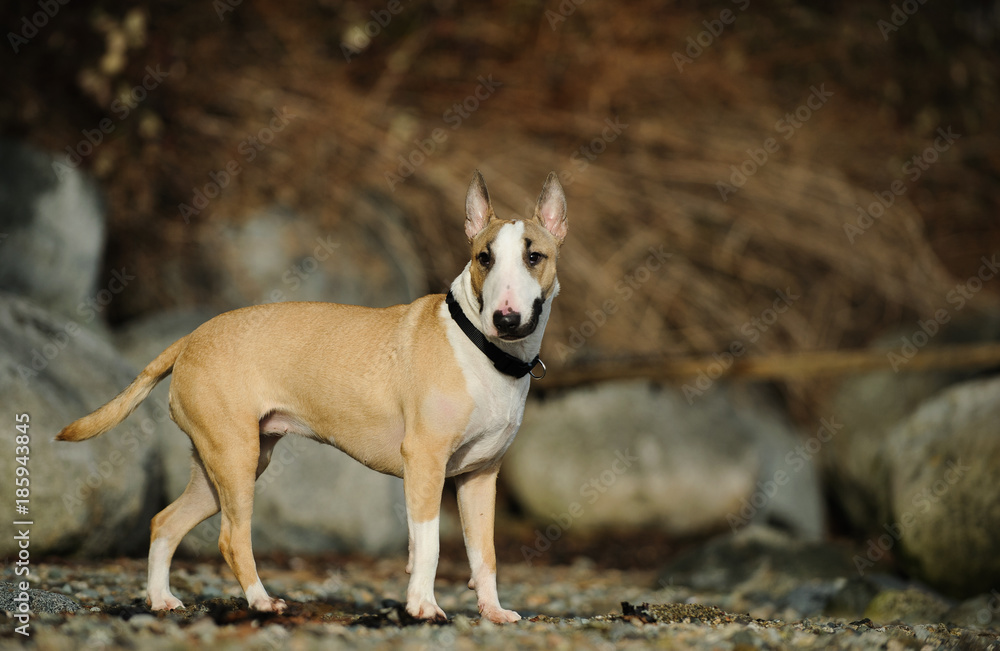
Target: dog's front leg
477	506
423	483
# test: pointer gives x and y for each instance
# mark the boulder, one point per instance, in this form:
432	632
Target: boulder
631	454
870	405
278	256
39	601
51	231
315	498
312	498
728	561
800	578
93	497
944	491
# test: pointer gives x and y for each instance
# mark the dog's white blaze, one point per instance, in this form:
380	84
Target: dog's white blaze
425	560
508	286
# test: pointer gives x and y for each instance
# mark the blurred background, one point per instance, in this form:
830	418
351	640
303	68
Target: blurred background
743	180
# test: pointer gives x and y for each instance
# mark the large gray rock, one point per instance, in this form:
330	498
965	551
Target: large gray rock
856	464
796	578
628	454
51	231
312	498
93	497
944	491
39	601
315	498
277	255
869	406
728	561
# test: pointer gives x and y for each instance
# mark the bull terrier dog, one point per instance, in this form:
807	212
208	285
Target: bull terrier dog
424	391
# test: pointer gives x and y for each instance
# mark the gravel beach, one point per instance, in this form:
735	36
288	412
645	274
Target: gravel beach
351	602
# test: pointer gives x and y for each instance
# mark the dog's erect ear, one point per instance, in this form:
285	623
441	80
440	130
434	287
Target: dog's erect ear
478	209
550	211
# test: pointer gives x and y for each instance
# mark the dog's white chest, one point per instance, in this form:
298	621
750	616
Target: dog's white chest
499	407
492	428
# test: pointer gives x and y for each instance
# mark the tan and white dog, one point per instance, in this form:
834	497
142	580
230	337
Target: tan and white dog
424	391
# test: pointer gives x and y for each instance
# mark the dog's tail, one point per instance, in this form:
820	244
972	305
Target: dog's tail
118	408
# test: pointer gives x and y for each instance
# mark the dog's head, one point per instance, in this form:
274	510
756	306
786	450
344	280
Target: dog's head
513	267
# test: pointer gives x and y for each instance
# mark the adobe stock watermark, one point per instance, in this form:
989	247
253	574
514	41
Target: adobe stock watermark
223	7
282	457
751	332
625	289
565	9
787	126
38	20
958	297
912	169
205	538
121	107
795	461
299	272
592	490
248	149
697	44
583	156
101	471
921	503
359	38
898	17
88	309
453	117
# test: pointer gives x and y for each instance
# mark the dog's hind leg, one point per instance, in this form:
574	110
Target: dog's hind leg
198	502
234	471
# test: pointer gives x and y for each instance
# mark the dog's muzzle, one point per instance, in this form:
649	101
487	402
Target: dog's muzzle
511	326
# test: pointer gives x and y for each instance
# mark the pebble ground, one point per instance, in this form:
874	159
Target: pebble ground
351	603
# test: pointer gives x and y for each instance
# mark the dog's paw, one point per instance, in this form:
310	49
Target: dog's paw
426	610
498	615
164	602
269	605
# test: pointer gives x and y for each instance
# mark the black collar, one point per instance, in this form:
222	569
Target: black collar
504	362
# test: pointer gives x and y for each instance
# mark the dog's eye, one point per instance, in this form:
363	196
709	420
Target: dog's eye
484	258
534	258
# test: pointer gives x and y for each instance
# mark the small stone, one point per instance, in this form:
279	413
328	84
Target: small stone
211	592
204	630
142	621
461	623
910	606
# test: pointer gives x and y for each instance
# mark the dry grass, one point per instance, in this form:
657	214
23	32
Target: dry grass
653	186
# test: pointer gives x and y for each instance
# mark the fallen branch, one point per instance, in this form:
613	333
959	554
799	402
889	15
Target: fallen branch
778	367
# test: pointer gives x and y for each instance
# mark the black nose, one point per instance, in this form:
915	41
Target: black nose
506	322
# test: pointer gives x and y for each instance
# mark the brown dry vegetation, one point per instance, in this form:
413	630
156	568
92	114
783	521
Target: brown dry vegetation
654	185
